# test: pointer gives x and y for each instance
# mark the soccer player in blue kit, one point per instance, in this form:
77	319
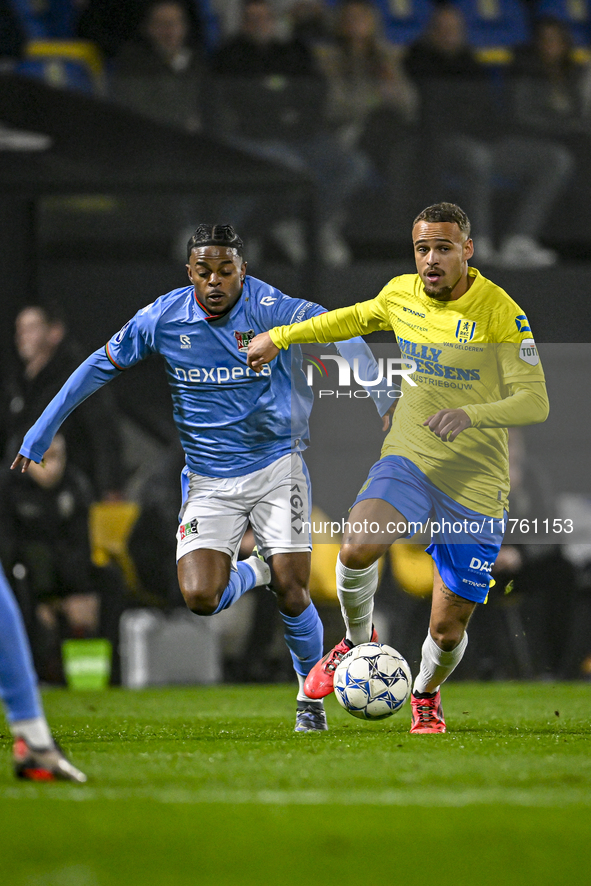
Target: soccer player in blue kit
36	757
242	434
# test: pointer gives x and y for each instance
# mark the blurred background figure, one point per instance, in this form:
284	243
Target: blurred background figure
160	72
46	358
45	549
471	147
548	83
550	94
270	100
372	104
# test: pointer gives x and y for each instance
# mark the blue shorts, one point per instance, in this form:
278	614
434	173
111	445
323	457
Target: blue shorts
464	544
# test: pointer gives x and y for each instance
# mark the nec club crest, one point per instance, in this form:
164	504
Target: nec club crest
465	330
191	528
243	338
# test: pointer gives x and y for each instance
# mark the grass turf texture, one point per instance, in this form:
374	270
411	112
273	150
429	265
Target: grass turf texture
211	786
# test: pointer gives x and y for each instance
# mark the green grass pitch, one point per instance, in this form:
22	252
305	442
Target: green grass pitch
209	785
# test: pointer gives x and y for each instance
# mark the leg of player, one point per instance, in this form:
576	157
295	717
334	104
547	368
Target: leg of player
36	757
364	542
442	652
209	584
290	576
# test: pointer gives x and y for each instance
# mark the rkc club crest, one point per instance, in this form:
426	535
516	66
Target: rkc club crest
243	338
465	330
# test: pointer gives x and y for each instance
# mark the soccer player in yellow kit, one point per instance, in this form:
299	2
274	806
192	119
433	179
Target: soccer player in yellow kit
475	356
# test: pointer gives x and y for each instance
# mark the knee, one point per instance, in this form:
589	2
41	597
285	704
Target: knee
447	633
201	599
357	556
292	598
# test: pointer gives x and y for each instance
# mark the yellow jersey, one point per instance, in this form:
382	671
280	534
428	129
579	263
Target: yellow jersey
476	353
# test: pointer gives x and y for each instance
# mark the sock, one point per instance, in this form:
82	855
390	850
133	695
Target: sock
35	732
18	681
304	635
437	665
247	575
261	570
356	589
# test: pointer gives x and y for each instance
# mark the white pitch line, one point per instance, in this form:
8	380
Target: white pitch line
458	799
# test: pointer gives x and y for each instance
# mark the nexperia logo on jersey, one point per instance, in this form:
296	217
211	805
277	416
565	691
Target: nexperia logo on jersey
427	357
219	374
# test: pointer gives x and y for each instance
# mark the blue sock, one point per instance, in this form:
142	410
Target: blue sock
304	636
242	579
18	681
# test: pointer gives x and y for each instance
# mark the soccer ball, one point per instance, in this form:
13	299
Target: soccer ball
372	681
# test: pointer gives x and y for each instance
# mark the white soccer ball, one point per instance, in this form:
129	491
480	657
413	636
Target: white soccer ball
372	681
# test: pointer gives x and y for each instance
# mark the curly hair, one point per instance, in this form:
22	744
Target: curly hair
215	235
445	212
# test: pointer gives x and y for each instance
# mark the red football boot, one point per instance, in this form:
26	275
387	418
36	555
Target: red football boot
427	714
320	680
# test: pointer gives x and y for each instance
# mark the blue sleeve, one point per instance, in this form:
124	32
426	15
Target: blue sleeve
136	340
355	351
95	372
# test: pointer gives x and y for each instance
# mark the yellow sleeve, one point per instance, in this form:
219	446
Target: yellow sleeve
527	404
339	325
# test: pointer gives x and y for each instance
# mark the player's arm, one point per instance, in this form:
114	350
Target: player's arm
332	326
527	404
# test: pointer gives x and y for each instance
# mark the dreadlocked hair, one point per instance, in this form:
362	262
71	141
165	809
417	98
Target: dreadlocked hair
445	212
215	235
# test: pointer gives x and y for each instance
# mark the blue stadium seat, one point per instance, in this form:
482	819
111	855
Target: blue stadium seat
66	64
46	18
210	22
495	23
404	20
576	14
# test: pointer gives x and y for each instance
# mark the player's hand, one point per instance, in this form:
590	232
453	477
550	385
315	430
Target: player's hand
261	350
448	423
22	462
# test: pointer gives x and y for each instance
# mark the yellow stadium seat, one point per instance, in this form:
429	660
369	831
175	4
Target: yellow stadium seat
77	54
110	525
412	568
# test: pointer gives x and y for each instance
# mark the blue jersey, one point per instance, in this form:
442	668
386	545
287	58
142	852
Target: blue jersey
231	420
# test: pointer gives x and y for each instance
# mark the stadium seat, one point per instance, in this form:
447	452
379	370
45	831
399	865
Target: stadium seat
412	568
110	525
576	14
404	20
210	22
69	64
495	23
41	19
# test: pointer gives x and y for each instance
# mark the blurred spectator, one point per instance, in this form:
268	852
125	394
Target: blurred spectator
152	543
270	100
543	580
548	83
45	548
310	21
46	358
371	101
111	23
461	118
160	72
12	36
